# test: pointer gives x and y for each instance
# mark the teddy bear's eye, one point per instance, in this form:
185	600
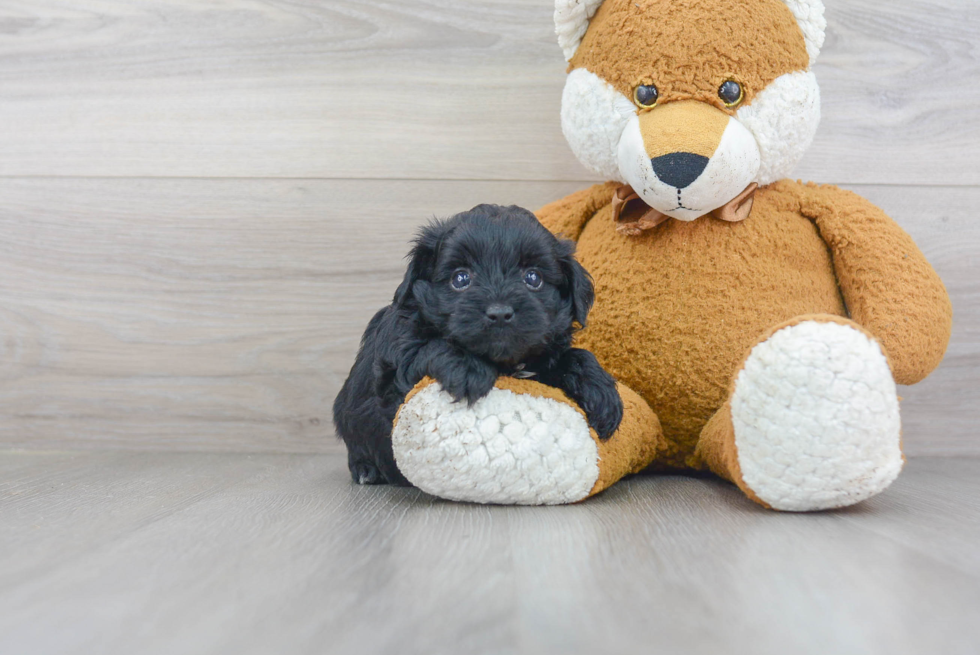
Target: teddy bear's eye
731	93
646	96
461	279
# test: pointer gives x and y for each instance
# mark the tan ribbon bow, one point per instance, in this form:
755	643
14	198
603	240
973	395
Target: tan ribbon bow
636	217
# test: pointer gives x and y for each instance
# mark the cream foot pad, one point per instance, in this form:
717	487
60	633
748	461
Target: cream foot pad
508	449
816	419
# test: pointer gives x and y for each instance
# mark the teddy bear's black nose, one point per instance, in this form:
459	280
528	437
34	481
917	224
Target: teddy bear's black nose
679	169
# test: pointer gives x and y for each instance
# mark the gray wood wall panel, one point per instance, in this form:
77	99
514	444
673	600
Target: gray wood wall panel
422	89
201	204
223	315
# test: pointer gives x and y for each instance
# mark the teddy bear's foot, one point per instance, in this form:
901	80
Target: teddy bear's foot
813	421
523	444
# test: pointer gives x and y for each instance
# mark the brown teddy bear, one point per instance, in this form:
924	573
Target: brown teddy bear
758	326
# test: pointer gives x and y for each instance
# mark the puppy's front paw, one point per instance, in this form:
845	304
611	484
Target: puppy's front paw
470	380
604	409
580	376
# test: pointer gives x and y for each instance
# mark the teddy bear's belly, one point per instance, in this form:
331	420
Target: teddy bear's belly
679	308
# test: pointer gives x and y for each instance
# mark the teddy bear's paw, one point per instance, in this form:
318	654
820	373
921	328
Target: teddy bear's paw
816	418
508	448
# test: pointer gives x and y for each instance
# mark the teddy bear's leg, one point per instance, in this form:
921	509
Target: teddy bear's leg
523	444
812	421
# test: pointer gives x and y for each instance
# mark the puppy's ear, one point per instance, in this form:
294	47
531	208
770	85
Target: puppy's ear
424	256
579	288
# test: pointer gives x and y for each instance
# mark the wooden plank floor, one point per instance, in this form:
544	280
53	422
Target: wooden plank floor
193	553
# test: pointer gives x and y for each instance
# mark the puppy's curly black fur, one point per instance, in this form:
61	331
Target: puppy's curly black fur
488	292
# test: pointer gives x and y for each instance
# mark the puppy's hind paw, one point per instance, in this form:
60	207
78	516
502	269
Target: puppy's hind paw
366	473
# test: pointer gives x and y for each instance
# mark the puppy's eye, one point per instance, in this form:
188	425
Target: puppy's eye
646	96
533	279
731	93
461	279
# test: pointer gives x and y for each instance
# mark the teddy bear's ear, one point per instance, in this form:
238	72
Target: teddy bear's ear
572	21
810	15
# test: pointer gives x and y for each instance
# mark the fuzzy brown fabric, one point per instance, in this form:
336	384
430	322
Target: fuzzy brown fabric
637	444
566	217
664	42
889	287
679	307
718	453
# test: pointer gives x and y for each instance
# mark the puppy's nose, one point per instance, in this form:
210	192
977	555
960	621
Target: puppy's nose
679	169
500	314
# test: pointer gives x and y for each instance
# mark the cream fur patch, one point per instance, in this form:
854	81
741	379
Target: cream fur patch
572	22
816	418
593	117
507	449
783	118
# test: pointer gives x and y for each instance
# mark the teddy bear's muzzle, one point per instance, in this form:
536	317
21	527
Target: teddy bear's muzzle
687	158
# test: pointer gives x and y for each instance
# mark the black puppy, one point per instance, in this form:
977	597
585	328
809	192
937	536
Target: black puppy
488	292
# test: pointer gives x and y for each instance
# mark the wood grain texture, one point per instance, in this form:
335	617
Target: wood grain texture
192	553
223	315
199	314
428	89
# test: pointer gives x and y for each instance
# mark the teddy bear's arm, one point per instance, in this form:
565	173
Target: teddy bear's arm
567	217
888	286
